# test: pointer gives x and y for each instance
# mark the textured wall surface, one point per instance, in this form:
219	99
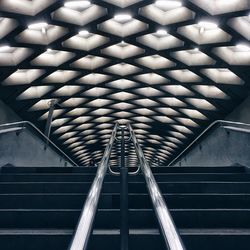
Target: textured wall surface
27	149
7	115
221	147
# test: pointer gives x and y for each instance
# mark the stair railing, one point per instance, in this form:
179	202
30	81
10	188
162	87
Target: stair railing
204	132
22	125
117	173
168	229
84	227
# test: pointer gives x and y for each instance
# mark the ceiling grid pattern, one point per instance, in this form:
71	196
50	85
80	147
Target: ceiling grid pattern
168	67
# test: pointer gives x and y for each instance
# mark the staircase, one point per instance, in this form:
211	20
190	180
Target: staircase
39	208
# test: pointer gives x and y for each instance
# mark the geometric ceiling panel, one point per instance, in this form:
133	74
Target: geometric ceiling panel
122	3
241	25
159	41
167	67
41	33
90	62
85	41
79	14
6	25
25	7
52	58
155	62
234	55
204	32
12	56
122	25
122	50
215	7
167	12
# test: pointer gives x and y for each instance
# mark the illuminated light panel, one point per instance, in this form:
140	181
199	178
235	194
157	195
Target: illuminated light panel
4	48
168	4
77	5
206	25
39	27
84	33
161	32
122	18
243	47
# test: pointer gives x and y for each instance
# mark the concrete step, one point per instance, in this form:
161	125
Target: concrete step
110	218
134	187
162	169
59	239
81	177
112	200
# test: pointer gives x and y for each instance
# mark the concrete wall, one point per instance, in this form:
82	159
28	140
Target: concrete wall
25	148
221	147
7	115
241	113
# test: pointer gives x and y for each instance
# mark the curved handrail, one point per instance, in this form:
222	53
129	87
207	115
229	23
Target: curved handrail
23	124
215	123
86	219
170	234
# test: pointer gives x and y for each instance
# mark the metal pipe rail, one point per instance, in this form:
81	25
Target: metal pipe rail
85	223
116	173
170	234
212	125
18	126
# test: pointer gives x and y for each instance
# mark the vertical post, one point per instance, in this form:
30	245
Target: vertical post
124	197
52	104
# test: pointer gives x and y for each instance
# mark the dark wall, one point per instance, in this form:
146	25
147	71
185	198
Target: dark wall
7	115
25	148
222	147
241	113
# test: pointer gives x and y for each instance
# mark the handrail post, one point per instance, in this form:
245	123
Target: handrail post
169	232
124	196
52	104
84	227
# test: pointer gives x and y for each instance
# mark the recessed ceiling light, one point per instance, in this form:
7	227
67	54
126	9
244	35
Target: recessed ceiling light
83	33
77	4
161	32
122	18
208	25
243	47
39	26
4	48
170	4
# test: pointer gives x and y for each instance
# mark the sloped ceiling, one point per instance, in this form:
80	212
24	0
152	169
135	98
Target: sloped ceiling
168	67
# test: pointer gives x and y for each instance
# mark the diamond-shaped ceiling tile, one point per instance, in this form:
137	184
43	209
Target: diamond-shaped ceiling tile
167	67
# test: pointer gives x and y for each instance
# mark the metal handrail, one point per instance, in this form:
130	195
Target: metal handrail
213	124
170	234
23	124
86	219
116	173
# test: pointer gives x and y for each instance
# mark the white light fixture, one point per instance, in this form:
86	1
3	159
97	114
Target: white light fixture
77	4
83	33
49	49
207	25
4	48
243	47
39	26
196	49
161	32
169	4
122	18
